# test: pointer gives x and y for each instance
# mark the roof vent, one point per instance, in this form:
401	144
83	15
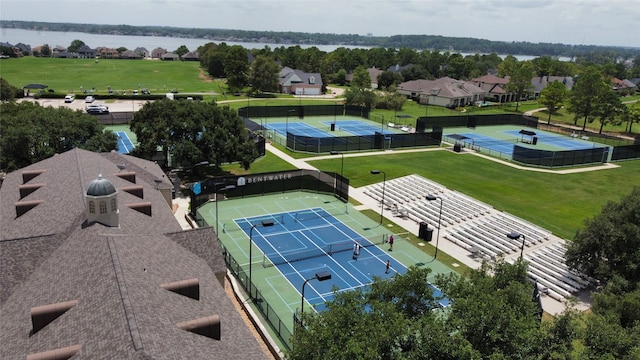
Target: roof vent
57	354
189	288
143	207
27	175
27	189
130	176
207	326
136	190
41	316
23	206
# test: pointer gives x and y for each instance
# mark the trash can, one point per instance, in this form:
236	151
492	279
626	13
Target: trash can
425	232
534	140
333	126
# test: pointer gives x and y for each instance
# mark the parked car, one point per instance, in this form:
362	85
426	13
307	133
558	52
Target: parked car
97	109
89	99
69	98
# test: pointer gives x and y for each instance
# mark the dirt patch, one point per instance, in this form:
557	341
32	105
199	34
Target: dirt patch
204	77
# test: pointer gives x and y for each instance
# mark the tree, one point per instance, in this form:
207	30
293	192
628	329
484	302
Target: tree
340	77
361	78
263	76
45	50
31	133
520	81
190	132
583	99
236	65
632	115
508	66
553	97
75	45
8	92
610	109
182	50
607	246
388	79
491	316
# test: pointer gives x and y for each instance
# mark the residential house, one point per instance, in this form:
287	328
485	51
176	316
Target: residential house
158	52
299	82
541	82
142	51
57	49
85	52
131	55
191	56
170	57
96	266
447	92
23	49
496	87
65	55
107	53
623	87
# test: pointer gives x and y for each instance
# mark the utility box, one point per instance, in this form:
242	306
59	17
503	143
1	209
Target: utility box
425	232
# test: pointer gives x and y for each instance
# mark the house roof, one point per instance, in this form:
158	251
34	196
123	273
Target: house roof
289	76
443	87
491	79
540	82
50	255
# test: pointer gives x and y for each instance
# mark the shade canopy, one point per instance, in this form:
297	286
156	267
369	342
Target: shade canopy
35	86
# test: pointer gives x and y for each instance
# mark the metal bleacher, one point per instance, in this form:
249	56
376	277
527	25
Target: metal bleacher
481	230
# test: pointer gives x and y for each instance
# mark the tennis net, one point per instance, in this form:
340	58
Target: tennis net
314	214
279	258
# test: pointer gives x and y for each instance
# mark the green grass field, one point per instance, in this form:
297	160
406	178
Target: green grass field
64	75
559	203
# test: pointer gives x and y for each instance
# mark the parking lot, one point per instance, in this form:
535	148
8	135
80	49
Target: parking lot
79	103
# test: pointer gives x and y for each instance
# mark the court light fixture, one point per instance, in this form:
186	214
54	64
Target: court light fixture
321	276
384	181
431	197
514	235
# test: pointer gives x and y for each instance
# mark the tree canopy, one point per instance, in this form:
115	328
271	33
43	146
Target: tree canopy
491	316
31	133
192	131
553	97
608	247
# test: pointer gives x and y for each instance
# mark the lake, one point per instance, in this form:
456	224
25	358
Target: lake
54	38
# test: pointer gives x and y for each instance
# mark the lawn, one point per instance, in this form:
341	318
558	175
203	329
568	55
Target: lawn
559	203
65	75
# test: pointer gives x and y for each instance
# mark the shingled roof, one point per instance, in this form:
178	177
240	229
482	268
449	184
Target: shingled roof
94	291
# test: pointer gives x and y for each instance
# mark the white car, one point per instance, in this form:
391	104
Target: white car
69	98
97	109
89	99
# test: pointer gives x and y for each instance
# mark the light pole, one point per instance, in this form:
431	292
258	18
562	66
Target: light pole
287	124
514	235
321	276
333	152
433	198
384	181
263	223
218	191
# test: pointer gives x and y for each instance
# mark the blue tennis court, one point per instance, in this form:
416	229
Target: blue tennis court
297	128
356	127
305	242
559	140
125	145
487	142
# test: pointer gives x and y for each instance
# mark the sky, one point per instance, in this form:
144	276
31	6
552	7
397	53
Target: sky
588	22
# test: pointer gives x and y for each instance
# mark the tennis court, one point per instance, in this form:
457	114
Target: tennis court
304	242
357	127
311	232
125	145
297	128
502	138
